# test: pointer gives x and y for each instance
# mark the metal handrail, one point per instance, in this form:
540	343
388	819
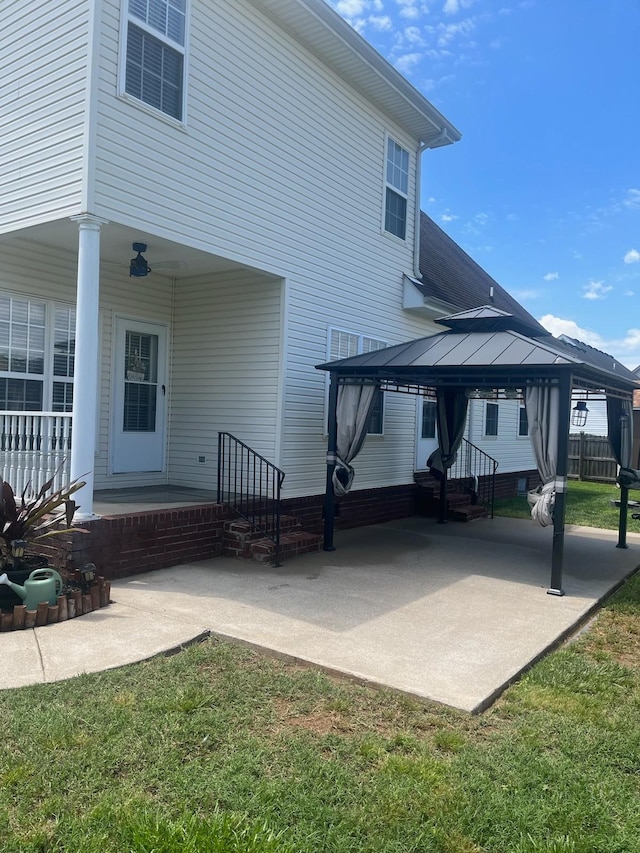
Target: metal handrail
477	470
251	486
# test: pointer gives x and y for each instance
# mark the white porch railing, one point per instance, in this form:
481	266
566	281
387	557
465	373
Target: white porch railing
33	447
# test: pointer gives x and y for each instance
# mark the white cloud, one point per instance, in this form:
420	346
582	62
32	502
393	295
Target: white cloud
559	326
551	276
381	22
531	293
632	199
452	7
596	290
351	8
405	64
626	349
448	217
629	293
413	35
632	256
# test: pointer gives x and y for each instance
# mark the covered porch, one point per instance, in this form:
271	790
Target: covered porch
74	322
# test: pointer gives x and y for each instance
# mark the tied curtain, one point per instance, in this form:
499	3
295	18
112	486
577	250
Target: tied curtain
451	416
543	411
353	411
620	430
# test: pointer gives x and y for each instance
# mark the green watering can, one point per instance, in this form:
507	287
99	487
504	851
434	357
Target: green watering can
41	585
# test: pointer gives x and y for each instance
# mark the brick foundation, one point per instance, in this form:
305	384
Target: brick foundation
141	542
127	545
506	485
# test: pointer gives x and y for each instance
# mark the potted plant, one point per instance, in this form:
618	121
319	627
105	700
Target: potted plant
135	368
27	520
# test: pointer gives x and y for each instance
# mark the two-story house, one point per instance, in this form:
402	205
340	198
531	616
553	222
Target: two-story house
269	161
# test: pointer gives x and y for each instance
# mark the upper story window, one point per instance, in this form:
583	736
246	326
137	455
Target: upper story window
396	189
344	345
155	55
37	345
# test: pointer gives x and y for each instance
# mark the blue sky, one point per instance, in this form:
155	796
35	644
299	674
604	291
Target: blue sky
543	190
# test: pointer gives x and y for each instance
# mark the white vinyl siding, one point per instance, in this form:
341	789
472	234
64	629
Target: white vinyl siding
512	452
44	77
308	193
226	371
304	205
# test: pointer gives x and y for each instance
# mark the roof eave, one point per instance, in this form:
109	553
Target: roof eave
357	62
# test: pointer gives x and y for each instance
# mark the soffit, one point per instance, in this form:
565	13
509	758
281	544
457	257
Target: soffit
322	31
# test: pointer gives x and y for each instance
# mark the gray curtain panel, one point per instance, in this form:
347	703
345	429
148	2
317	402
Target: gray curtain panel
353	410
543	412
451	414
620	430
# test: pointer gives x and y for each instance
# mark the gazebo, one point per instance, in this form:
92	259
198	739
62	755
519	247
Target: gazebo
484	350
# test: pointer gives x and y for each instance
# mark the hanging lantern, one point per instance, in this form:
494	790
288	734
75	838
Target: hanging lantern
579	414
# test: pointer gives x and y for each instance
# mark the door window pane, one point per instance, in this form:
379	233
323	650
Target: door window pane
491	419
428	419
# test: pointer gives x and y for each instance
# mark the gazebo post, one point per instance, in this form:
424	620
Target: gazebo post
557	552
442	516
622	522
332	449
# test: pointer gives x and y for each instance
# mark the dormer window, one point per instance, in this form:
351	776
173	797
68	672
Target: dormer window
155	55
396	189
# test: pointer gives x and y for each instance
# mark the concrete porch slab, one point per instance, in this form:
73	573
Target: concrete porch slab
451	613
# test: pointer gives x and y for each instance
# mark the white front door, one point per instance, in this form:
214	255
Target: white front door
139	396
427	438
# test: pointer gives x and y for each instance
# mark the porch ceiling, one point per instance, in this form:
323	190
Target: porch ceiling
165	257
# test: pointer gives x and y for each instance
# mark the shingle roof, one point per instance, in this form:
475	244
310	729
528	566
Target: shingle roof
451	276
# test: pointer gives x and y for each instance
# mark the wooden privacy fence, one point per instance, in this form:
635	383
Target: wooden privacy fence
590	458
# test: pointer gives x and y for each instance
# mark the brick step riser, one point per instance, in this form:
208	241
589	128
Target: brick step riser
264	551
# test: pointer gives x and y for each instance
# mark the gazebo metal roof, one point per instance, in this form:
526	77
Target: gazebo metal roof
488	348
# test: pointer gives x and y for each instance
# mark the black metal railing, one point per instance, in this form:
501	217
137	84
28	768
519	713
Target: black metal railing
476	471
251	486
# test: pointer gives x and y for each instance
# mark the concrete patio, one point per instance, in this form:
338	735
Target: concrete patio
451	613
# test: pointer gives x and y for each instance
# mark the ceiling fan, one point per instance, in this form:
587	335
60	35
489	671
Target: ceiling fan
139	267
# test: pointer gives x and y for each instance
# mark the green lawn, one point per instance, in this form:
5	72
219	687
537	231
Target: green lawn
588	504
221	748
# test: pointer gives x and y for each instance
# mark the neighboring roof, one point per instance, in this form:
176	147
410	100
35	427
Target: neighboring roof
451	276
318	27
485	348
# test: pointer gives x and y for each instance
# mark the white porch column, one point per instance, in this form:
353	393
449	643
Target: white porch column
87	348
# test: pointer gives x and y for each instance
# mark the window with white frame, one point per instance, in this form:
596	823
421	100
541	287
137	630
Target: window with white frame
345	344
396	189
37	345
491	419
523	422
155	53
